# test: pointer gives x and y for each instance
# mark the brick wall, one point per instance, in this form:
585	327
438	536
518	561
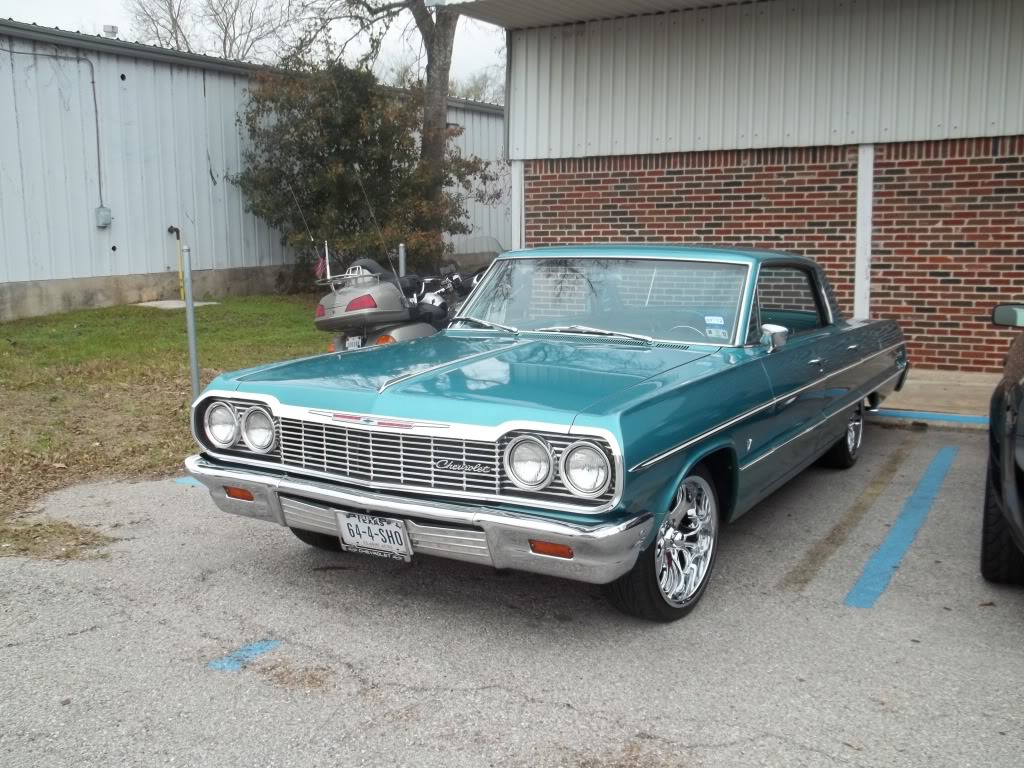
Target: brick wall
948	218
948	245
801	199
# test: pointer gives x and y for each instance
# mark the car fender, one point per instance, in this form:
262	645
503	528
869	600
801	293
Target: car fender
684	467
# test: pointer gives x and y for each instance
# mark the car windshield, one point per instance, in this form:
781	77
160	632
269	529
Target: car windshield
666	299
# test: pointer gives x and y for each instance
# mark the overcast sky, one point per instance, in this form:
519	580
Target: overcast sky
476	46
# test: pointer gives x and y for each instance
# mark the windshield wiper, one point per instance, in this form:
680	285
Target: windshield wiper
593	331
485	324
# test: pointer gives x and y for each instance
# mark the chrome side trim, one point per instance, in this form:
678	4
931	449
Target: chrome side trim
451	363
703	436
817	425
460	431
774	401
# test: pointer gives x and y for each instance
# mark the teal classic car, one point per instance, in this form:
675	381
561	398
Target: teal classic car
594	413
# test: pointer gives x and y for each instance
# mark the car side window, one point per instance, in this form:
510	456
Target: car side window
754	326
787	297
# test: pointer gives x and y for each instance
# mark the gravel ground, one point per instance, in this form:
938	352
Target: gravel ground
107	661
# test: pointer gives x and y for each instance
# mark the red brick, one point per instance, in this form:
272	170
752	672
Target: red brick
937	209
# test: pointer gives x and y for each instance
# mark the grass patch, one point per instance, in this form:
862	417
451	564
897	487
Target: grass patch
104	394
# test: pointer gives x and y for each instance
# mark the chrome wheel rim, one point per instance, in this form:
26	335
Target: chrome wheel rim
854	431
685	545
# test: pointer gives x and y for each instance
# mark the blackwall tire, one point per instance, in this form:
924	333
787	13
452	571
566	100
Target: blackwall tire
672	574
1001	561
318	540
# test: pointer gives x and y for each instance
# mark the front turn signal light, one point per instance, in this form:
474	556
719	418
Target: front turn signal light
386	339
239	493
550	549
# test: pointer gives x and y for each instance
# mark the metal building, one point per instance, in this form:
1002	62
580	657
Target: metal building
104	144
884	138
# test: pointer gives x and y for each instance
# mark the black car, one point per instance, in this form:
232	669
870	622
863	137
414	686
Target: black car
1002	537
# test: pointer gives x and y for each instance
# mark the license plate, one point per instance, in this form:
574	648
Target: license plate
353	342
371	535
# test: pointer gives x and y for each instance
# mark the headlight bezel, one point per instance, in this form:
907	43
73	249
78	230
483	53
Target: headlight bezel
249	412
507	462
567	478
209	431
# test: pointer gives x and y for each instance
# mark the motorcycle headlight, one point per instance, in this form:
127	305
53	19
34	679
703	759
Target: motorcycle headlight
528	463
221	425
258	430
585	469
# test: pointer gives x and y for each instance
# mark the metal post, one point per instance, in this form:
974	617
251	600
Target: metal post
401	259
862	252
190	320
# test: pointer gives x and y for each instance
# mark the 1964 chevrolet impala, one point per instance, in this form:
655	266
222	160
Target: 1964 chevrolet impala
594	413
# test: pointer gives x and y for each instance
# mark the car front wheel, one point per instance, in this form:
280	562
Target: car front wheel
1001	561
670	576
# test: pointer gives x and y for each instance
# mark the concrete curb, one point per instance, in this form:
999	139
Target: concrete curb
954	421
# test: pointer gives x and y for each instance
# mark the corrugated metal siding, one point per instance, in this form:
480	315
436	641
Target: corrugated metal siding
168	141
771	74
484	136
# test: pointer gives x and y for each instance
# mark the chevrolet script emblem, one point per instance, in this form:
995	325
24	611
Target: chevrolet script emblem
472	469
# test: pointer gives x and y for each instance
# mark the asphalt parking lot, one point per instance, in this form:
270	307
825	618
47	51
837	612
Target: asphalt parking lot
209	640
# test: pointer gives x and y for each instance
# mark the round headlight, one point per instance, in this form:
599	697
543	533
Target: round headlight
258	430
221	425
528	463
585	469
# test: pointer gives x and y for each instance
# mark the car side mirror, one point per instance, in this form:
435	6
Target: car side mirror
774	336
1011	315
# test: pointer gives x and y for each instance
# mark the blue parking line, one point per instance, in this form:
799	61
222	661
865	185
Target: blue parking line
187	481
879	569
953	418
235	661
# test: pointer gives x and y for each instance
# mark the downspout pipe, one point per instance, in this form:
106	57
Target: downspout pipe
181	264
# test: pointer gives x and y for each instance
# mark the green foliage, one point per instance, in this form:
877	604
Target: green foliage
318	131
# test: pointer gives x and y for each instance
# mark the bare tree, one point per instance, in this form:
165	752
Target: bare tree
167	23
486	84
246	29
234	29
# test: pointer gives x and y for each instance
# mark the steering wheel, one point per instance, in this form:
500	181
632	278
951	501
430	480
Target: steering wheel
692	328
698	330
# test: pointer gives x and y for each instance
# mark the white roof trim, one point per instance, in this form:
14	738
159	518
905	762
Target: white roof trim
523	14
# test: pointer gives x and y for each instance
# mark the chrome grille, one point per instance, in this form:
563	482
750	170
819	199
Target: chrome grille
411	461
388	457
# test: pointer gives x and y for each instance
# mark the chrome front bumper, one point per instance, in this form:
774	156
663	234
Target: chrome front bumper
601	552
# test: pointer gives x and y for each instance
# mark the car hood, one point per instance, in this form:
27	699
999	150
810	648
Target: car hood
484	379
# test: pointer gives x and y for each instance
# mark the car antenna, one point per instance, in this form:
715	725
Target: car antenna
373	218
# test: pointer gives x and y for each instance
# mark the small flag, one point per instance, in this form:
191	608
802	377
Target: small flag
321	267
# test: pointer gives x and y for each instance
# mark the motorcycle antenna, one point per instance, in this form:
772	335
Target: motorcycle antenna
312	242
383	244
299	209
